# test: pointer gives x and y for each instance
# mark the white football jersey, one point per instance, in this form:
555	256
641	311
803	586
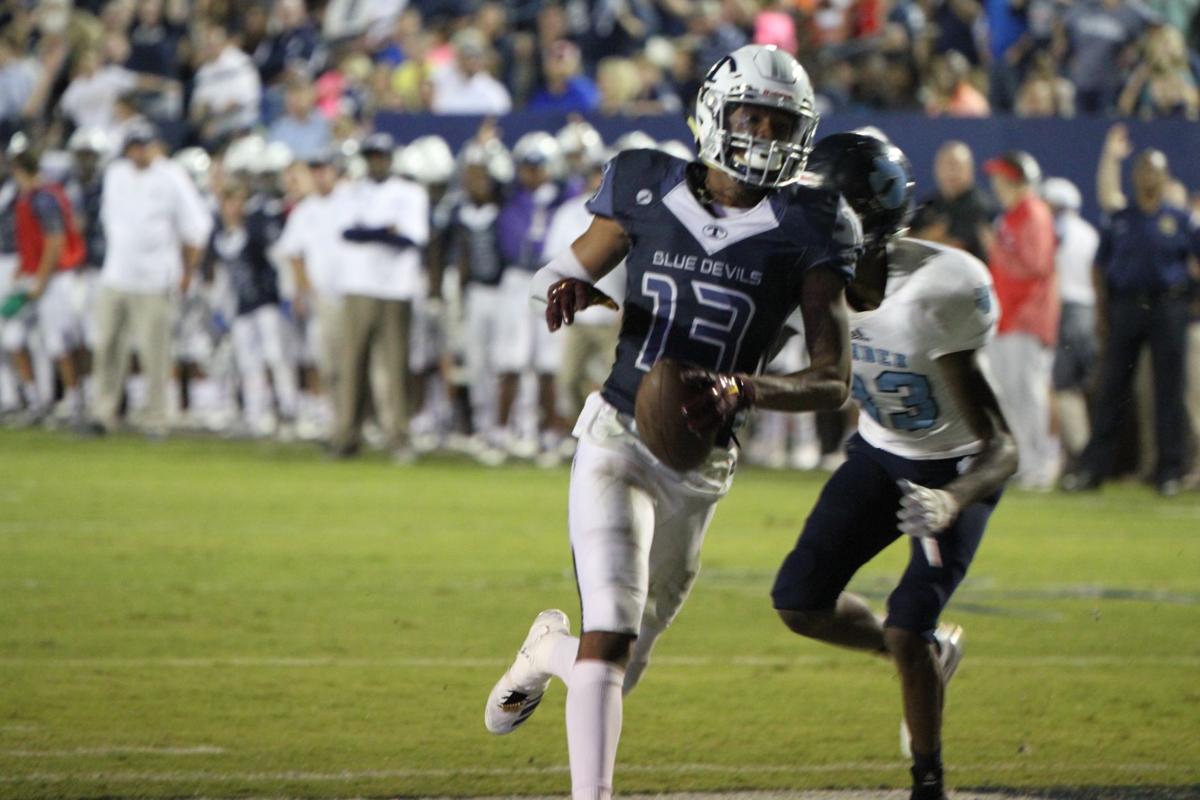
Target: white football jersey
938	300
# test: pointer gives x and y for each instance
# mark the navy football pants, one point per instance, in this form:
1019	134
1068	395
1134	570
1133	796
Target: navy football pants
855	519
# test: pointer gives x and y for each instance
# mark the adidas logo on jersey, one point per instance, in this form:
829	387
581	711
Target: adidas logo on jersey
857	335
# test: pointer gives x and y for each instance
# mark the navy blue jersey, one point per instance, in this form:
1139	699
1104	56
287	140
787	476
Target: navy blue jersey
86	198
707	290
474	231
243	251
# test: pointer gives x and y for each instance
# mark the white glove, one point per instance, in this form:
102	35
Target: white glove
924	511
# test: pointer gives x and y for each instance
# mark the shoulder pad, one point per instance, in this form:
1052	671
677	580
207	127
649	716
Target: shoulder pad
635	178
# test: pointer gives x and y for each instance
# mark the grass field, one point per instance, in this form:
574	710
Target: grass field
202	618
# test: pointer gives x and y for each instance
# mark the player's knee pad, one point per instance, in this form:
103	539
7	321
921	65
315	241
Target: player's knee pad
611	606
799	587
915	606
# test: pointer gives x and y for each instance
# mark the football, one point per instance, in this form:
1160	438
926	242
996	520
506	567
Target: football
660	421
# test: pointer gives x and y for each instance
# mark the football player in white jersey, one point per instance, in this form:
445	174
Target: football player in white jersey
931	456
718	253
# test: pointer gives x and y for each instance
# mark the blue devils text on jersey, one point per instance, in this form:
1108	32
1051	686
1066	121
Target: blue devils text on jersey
711	291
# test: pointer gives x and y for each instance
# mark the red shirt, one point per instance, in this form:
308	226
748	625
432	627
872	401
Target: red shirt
1021	261
43	211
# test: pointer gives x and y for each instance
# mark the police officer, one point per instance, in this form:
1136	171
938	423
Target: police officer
1143	263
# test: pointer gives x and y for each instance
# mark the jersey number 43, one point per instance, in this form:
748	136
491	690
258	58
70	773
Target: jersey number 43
920	408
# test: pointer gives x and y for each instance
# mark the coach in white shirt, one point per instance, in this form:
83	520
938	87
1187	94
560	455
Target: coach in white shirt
386	224
156	226
313	245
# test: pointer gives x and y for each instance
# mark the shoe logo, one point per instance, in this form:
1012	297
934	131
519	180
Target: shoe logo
513	701
715	232
644	196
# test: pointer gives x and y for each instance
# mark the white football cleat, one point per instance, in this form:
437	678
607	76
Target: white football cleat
950	652
517	694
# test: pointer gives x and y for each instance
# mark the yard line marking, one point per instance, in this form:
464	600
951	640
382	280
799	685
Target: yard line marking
214	662
653	769
199	750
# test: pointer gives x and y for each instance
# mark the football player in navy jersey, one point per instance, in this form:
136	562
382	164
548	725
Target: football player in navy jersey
930	458
718	253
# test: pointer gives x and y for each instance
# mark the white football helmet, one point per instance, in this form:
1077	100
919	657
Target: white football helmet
196	163
541	149
760	75
90	140
493	155
579	140
635	140
427	160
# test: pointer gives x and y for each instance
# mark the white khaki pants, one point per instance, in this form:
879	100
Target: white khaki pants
1021	368
636	528
142	320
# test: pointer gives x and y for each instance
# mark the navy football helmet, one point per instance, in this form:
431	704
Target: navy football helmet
875	178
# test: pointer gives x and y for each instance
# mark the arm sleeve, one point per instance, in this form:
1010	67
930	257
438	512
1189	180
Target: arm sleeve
845	243
49	214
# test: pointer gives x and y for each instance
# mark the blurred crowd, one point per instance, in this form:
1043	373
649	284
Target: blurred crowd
313	73
376	295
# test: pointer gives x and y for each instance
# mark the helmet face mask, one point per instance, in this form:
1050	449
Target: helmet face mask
756	77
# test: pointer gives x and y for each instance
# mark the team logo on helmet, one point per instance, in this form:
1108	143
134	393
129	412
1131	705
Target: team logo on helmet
889	183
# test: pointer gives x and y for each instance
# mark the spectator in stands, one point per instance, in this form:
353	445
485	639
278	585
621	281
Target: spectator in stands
19	73
227	91
620	85
715	35
305	132
1076	353
1100	38
950	91
1045	93
1145	248
566	89
292	44
156	40
954	23
156	226
1021	260
959	212
1009	41
90	99
465	86
387	222
1162	84
412	81
620	27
